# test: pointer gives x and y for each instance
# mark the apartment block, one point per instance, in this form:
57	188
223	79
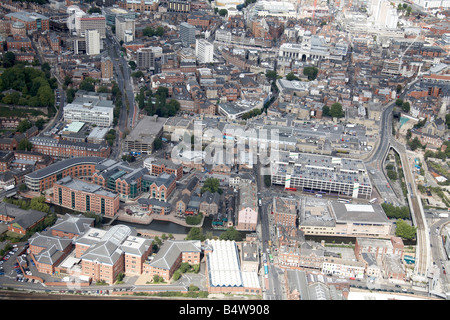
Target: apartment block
82	196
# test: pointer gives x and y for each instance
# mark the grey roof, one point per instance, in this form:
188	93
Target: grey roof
171	250
209	197
73	224
61	165
47	241
345	212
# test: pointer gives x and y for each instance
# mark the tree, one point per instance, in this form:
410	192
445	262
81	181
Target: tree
267	180
404	230
211	185
406	107
414	144
159	31
9	59
132	65
291	76
157	144
326	111
336	110
271	74
398	102
88	84
195	233
24	125
223	12
231	234
25	144
310	72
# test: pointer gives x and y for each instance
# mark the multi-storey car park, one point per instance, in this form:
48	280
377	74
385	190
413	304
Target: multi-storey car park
321	174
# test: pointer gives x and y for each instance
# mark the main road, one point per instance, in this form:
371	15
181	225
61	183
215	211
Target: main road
386	141
124	81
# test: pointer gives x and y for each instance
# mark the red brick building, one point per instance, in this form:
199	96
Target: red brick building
82	196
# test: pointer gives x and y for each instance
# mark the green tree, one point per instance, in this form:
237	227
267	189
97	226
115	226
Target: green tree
88	84
157	144
211	185
231	234
398	102
196	233
25	144
310	72
24	125
291	76
406	107
404	230
9	59
223	12
336	110
271	74
326	111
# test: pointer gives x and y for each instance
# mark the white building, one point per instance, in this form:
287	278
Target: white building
204	51
283	9
102	116
429	5
92	42
125	27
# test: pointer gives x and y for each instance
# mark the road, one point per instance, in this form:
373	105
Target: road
127	118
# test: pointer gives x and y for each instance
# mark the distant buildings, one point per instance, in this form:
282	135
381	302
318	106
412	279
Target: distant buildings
125	28
142	137
187	34
145	58
322	174
204	51
33	21
92	42
90	110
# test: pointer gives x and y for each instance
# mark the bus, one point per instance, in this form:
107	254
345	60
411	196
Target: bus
291	189
259	201
270	258
266	269
344	200
373	200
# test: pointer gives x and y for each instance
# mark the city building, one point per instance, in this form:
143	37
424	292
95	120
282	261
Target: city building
157	166
120	178
33	21
92	42
143	135
104	254
223	270
247	215
318	174
71	226
187	34
179	6
204	51
88	110
111	13
285	210
171	255
77	167
107	69
124	25
82	196
145	58
142	5
94	21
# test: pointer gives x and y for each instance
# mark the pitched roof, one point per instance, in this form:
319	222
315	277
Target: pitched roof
171	250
